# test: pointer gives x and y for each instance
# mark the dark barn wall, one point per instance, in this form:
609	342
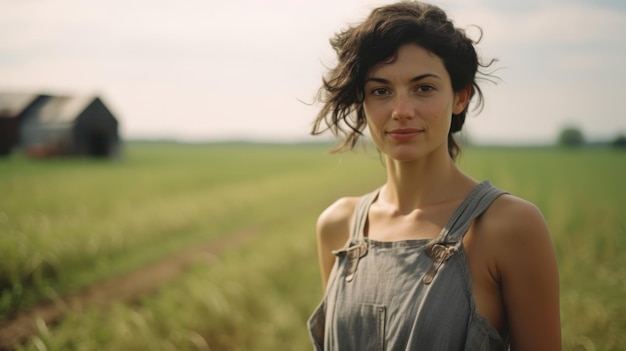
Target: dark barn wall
9	133
96	131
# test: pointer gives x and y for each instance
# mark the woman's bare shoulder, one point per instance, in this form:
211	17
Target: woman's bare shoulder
511	218
336	219
335	223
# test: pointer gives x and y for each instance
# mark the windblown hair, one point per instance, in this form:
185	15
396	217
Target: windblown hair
376	40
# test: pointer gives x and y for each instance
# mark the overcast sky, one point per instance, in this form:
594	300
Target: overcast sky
206	69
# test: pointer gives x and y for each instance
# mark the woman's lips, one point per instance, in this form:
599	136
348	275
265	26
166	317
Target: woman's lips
404	134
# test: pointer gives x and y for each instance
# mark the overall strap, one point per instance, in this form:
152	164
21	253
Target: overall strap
450	239
360	216
356	246
474	205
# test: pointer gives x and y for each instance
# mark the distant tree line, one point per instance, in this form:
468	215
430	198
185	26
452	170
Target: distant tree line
620	141
573	137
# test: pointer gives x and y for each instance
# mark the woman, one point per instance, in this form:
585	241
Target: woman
433	259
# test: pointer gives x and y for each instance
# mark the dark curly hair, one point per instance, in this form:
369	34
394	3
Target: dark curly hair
377	40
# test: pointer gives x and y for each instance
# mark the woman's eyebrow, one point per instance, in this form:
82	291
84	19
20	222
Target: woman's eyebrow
423	76
412	80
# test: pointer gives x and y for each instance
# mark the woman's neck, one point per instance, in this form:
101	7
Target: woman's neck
420	183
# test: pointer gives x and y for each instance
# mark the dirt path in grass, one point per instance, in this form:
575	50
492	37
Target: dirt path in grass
127	288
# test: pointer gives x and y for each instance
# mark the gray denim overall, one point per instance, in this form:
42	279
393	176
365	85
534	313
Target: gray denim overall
405	295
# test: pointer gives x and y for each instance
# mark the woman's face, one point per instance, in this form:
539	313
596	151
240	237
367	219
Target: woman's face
409	104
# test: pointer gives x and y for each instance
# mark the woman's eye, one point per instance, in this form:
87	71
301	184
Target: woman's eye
425	88
380	91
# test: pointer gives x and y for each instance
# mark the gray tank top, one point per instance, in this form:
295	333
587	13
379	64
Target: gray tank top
405	295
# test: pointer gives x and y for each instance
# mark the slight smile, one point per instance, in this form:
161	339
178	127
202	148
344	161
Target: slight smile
404	134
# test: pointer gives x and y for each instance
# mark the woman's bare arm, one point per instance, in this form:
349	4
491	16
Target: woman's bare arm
333	230
527	266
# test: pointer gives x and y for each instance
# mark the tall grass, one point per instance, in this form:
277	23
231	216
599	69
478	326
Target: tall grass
68	223
259	296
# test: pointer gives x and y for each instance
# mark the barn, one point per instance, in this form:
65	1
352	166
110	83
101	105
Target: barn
53	125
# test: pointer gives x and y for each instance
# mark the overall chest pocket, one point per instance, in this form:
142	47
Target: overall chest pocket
360	326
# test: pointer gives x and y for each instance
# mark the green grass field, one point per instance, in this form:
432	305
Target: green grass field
68	223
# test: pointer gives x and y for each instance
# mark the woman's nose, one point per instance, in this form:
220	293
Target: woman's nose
402	107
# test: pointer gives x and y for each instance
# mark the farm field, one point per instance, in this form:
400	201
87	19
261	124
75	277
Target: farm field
67	224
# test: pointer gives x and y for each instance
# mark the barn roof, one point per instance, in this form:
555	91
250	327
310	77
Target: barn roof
60	109
12	104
